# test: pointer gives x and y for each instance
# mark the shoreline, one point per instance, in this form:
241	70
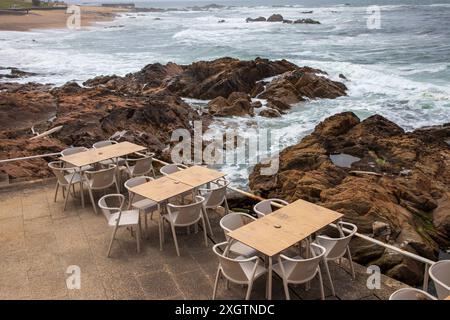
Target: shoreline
57	19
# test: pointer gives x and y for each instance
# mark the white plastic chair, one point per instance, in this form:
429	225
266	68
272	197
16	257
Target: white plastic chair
140	166
440	273
139	202
299	270
243	271
337	247
171	168
64	178
411	294
75	150
117	217
185	216
100	144
101	180
233	221
264	207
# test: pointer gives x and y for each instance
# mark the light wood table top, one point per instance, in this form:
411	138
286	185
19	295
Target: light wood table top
161	189
283	228
448	298
196	176
92	156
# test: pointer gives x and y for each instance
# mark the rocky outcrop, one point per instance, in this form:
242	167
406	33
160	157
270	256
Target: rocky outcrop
270	113
259	19
306	21
87	115
15	73
398	191
297	85
279	18
237	104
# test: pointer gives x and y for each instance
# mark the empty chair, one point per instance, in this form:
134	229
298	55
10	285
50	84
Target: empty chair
139	202
105	143
100	180
74	150
337	247
65	179
265	207
440	273
172	168
185	216
112	208
215	197
299	270
411	294
140	166
243	271
233	221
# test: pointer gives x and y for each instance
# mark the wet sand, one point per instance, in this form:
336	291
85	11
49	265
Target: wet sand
55	19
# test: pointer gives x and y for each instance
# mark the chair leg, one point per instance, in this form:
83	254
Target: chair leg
112	240
249	290
138	237
204	232
286	289
92	201
175	238
67	197
350	261
216	283
117	186
205	213
63	192
56	191
146	224
227	209
322	293
327	270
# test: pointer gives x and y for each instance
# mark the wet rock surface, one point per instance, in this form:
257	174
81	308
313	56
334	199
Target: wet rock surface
411	211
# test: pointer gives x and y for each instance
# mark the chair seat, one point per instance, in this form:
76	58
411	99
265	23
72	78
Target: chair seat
120	161
77	169
145	205
242	250
248	267
128	218
76	177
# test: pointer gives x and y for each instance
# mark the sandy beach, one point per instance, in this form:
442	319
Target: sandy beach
54	19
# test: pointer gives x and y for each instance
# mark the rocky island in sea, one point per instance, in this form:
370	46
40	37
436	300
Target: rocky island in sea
396	186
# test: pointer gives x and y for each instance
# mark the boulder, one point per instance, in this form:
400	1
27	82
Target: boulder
270	113
306	21
275	18
411	212
259	19
237	104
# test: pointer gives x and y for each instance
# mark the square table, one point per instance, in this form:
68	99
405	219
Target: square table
92	156
283	228
196	176
448	298
160	190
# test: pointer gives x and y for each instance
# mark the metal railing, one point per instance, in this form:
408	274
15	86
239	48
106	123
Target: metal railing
387	246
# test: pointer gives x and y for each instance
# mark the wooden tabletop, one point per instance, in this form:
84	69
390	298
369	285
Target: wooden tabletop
161	189
283	228
92	156
196	176
448	298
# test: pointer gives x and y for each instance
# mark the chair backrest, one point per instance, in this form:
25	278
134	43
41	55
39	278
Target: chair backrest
187	214
216	196
73	150
302	270
265	207
336	246
111	204
133	182
233	268
234	220
141	166
440	273
58	170
411	294
104	143
102	179
171	168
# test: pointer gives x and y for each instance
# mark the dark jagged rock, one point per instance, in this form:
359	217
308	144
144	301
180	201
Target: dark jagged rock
306	21
259	19
275	18
415	208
